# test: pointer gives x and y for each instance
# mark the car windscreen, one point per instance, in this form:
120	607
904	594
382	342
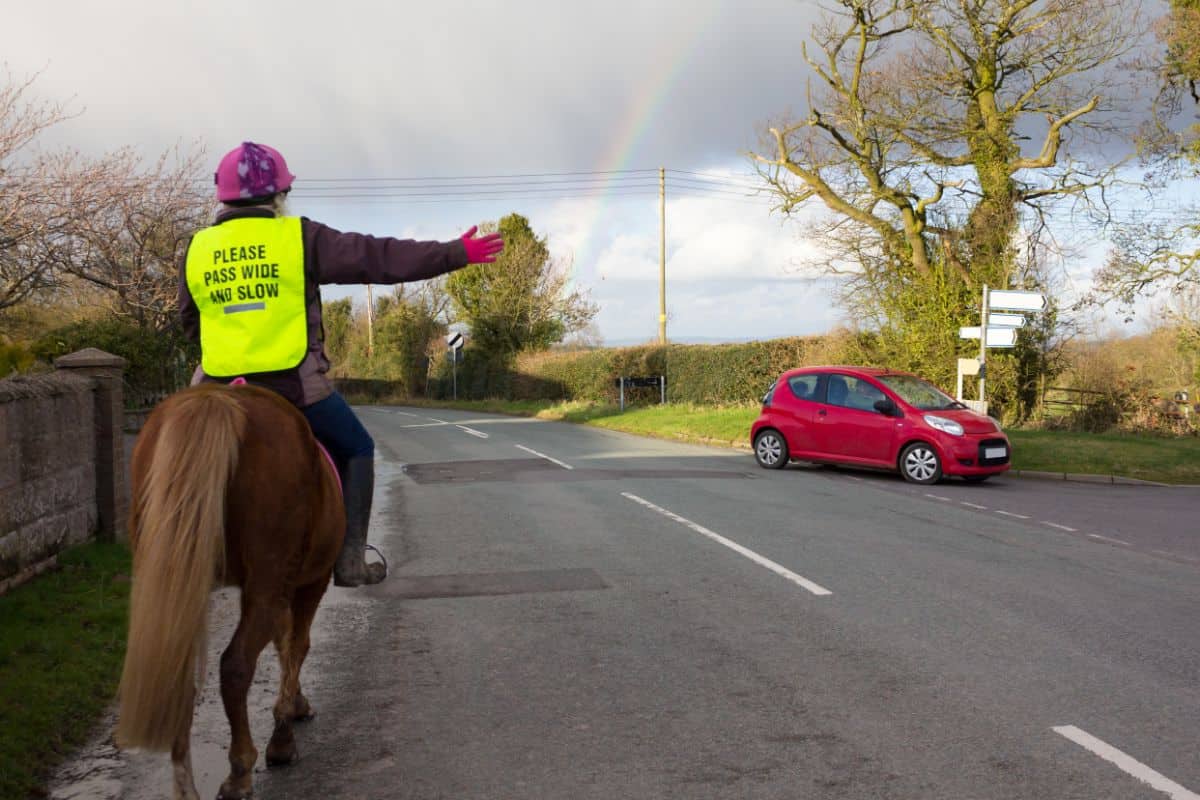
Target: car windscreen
918	393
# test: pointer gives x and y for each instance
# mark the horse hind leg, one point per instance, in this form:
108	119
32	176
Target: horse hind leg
292	642
238	663
281	750
181	761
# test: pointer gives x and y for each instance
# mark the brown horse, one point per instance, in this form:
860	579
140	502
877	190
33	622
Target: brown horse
229	488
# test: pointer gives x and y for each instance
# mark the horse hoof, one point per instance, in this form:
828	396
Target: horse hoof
284	759
309	717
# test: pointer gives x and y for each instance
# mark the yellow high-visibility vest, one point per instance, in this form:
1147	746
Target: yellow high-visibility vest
246	276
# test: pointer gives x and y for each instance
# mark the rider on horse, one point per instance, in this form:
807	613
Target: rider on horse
249	290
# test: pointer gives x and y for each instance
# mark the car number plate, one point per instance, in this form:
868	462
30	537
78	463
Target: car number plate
995	452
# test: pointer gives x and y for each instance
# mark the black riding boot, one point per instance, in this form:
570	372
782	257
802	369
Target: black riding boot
358	486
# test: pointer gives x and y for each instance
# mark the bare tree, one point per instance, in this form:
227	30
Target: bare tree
1151	254
28	181
132	223
937	125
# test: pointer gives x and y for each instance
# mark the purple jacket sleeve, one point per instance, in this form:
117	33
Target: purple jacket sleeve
189	315
337	257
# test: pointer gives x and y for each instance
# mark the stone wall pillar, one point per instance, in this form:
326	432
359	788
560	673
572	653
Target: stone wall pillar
112	492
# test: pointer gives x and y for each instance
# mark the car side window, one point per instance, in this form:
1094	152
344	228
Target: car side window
850	392
766	400
804	387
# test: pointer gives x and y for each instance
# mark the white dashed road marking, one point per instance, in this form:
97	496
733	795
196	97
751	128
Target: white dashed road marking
1011	514
1127	763
937	497
804	583
973	505
1108	539
472	431
1175	555
543	455
1060	527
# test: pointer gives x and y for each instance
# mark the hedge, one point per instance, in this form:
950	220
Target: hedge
725	374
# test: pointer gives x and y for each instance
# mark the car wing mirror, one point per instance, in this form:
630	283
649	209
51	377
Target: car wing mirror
887	407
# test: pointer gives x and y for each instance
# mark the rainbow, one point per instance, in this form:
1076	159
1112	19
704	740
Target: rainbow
680	52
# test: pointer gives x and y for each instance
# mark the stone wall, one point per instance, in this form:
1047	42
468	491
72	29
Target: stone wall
62	478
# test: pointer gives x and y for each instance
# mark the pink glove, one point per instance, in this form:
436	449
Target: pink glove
484	249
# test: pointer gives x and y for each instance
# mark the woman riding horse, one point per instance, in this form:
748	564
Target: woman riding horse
229	484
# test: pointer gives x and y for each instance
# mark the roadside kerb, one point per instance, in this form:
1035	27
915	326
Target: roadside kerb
1075	477
1080	477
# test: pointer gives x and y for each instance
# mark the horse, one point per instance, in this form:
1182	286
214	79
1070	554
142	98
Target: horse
229	488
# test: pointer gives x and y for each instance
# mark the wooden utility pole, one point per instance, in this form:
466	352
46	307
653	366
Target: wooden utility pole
662	255
370	323
983	331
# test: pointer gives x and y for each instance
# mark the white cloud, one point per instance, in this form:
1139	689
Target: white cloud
710	239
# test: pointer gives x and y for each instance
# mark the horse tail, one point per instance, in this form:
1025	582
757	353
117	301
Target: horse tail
178	557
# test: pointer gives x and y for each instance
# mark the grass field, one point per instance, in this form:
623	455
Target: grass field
1151	458
62	640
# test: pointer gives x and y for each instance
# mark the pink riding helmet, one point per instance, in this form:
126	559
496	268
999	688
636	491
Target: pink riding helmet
251	170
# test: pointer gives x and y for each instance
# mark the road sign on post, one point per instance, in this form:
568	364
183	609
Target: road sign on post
966	367
997	330
1016	301
996	337
455	342
1006	321
655	380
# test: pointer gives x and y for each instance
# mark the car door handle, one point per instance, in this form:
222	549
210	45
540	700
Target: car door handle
821	412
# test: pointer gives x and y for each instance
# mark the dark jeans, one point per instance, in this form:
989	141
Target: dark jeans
336	427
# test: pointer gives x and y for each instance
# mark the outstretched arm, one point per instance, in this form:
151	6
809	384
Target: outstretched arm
359	258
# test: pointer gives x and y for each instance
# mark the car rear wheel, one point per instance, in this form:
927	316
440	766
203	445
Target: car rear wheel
919	463
770	450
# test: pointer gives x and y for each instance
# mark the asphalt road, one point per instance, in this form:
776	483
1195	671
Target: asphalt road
575	613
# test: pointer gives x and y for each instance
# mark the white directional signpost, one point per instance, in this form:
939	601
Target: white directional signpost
1005	321
996	330
1015	301
455	342
996	337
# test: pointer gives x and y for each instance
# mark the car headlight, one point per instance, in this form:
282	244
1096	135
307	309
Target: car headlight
944	425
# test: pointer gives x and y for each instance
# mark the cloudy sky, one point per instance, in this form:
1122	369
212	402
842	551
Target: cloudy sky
472	100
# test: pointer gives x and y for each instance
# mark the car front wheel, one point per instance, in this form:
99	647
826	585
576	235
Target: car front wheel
919	463
770	450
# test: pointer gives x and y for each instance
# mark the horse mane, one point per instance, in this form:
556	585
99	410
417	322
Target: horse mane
177	534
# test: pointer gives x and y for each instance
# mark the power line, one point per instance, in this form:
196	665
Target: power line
488	177
400	199
587	182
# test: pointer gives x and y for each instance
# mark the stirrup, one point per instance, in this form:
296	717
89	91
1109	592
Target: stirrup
379	553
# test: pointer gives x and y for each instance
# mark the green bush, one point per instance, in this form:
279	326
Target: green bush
159	361
14	358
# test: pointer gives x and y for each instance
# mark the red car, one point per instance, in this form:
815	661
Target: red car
870	417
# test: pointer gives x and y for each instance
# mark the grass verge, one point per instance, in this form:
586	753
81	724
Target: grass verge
62	640
1150	458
